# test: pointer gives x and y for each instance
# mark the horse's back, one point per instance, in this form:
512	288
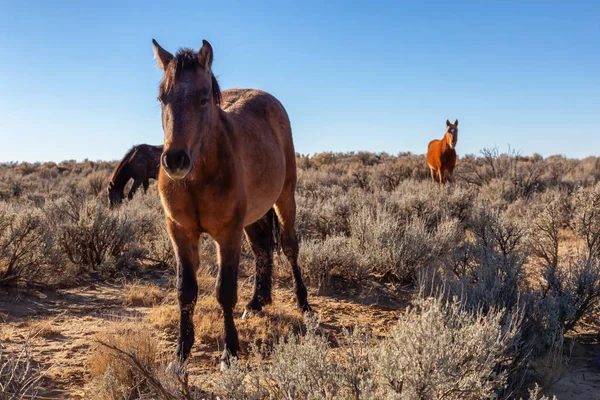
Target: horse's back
262	138
146	161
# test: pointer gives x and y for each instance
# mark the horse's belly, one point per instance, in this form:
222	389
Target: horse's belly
261	198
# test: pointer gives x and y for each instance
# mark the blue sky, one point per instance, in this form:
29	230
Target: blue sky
78	79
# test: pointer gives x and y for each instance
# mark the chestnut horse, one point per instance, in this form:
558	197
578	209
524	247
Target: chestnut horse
141	163
228	162
441	154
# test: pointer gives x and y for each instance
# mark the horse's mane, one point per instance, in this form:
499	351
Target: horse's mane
121	165
187	59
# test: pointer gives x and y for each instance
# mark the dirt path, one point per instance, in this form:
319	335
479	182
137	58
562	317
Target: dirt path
582	381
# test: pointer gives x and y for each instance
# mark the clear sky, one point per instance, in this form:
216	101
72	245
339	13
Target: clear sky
78	79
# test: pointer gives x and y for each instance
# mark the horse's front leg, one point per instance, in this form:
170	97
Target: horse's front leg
136	184
185	246
431	170
229	247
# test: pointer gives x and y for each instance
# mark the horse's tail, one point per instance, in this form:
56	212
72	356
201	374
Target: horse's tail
276	229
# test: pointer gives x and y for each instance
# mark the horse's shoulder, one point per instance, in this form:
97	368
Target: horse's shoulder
433	143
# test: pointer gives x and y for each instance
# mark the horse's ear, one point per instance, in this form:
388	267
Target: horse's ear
456	123
162	56
448	122
205	55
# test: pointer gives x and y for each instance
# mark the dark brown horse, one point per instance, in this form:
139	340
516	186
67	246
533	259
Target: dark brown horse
441	154
228	169
141	163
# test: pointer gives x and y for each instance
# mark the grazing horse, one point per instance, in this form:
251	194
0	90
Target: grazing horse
141	163
441	155
228	169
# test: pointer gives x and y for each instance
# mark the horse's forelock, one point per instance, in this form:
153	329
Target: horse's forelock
185	60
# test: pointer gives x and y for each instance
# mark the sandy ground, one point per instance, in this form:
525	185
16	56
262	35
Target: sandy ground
64	323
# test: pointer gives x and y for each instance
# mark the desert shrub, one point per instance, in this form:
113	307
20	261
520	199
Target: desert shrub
27	252
320	184
490	264
320	218
146	214
300	368
586	218
520	176
387	177
437	350
359	176
441	350
10	188
430	203
320	259
488	270
96	182
90	236
19	376
548	215
395	248
569	284
574	289
325	158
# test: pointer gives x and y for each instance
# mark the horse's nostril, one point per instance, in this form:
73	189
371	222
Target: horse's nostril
176	160
185	161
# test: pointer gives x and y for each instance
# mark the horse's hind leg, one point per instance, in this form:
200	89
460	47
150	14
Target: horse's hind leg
146	184
185	245
286	212
260	236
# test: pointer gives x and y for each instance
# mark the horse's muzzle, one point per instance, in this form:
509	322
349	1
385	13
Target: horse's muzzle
176	163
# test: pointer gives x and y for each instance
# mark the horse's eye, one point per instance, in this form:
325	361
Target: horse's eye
203	102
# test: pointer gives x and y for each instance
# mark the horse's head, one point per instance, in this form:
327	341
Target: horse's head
189	96
115	196
451	136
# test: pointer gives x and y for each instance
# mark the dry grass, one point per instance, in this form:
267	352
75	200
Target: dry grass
138	294
164	317
274	321
43	328
112	376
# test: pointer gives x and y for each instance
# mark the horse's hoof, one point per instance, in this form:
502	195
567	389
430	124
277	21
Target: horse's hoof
245	314
306	308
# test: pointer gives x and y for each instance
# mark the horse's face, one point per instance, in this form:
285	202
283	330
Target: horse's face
115	197
451	135
187	106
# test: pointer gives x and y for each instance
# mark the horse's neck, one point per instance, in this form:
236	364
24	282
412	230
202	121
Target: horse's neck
444	148
120	179
217	147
